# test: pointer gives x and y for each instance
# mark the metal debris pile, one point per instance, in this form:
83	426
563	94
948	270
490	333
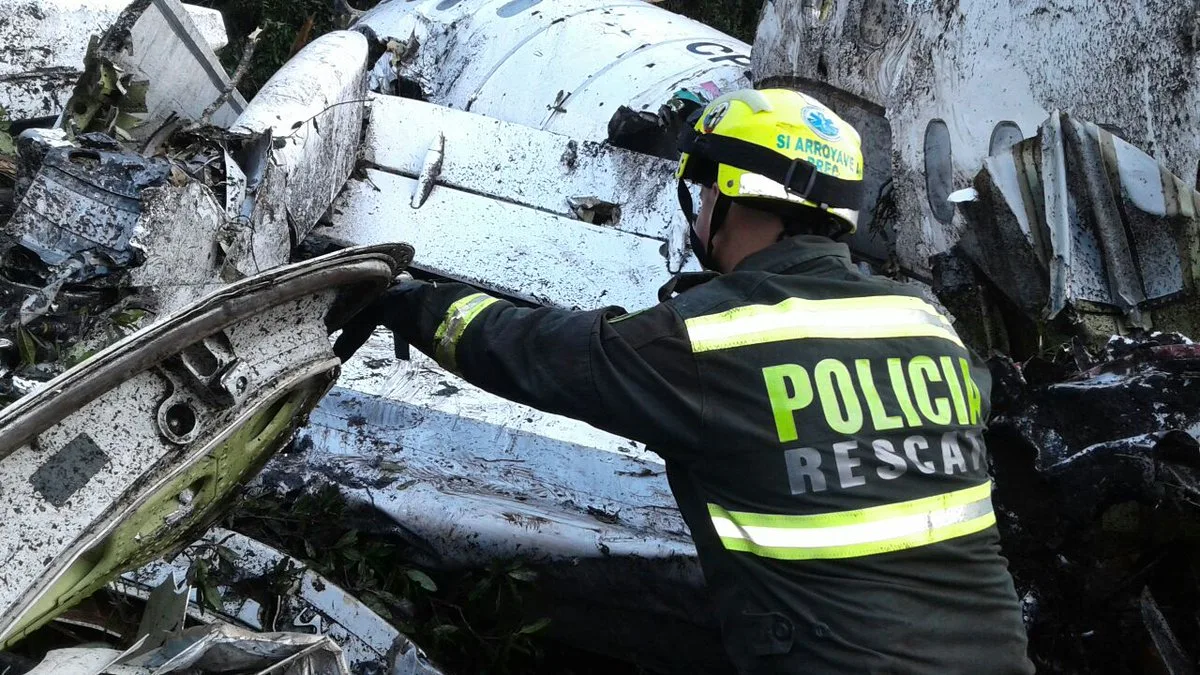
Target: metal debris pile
230	604
143	197
160	184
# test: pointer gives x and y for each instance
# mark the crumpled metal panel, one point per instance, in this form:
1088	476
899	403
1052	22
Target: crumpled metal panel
314	605
78	214
989	71
1087	221
43	42
105	240
123	457
151	71
311	111
219	648
467	478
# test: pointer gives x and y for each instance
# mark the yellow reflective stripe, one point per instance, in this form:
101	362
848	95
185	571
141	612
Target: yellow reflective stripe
848	534
880	316
458	317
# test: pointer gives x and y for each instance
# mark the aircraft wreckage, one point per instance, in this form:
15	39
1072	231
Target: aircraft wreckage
173	258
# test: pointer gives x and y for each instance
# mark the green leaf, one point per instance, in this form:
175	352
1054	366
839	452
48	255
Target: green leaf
523	574
348	539
210	595
352	555
445	630
129	317
227	554
77	355
482	587
26	346
535	627
423	580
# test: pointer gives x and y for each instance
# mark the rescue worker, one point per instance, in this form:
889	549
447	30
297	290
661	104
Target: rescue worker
821	427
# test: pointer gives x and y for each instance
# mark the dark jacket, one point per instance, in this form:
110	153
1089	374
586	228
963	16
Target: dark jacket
822	431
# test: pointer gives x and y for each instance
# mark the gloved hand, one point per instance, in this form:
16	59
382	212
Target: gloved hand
394	309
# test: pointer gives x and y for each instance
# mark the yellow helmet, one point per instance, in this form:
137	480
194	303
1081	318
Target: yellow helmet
777	146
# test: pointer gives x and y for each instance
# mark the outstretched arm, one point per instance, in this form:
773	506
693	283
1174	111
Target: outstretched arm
630	374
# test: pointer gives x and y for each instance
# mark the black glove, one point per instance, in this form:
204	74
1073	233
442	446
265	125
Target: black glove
395	309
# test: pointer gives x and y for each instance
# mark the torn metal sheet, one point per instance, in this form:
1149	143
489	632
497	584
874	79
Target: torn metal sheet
521	61
149	72
978	75
166	611
80	661
105	240
126	456
250	575
32	146
76	218
219	648
312	109
43	44
468	478
1089	224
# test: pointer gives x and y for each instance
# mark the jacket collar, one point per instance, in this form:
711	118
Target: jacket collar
793	253
788	256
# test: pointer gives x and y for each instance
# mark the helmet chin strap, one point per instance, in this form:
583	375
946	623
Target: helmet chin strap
702	249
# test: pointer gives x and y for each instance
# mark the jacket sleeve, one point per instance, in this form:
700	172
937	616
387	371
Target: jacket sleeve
629	374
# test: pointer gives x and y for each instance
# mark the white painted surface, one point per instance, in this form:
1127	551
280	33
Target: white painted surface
43	44
977	63
48	523
514	163
442	457
166	49
564	66
468	479
313	107
176	232
504	247
77	661
44	537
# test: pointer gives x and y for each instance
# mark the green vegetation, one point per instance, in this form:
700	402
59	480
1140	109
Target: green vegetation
287	26
481	621
738	18
7	148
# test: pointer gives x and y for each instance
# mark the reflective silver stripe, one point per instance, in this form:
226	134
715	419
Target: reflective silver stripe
847	534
